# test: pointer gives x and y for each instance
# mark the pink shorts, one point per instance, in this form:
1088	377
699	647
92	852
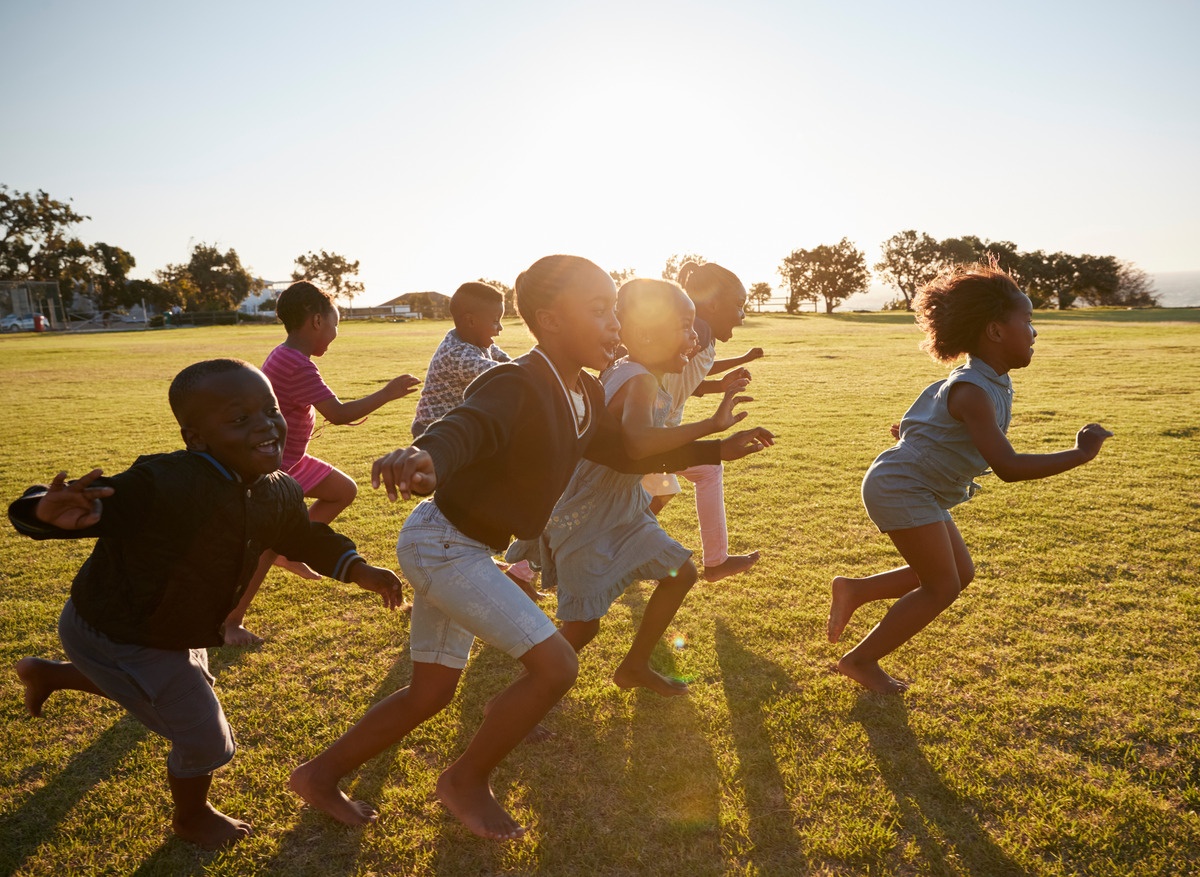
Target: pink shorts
309	472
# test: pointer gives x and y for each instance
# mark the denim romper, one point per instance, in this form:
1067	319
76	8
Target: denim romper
933	466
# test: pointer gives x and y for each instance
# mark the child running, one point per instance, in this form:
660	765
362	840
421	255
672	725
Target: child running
720	301
602	535
311	319
178	536
465	353
498	462
952	434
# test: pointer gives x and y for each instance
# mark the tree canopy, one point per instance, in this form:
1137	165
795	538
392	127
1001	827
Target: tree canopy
759	294
209	281
831	272
330	271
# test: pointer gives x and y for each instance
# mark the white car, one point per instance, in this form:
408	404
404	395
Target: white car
13	323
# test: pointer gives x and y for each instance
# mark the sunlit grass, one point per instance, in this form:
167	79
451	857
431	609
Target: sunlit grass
1051	727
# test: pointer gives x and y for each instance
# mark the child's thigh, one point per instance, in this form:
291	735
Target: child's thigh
459	593
170	691
336	486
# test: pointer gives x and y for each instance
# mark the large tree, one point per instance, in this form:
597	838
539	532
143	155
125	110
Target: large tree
330	271
33	234
910	260
759	294
832	272
210	280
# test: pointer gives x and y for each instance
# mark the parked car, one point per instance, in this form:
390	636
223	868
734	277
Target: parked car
13	323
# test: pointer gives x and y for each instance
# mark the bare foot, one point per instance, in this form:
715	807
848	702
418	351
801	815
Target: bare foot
476	807
870	675
294	566
329	798
733	565
840	608
239	636
643	676
210	829
32	673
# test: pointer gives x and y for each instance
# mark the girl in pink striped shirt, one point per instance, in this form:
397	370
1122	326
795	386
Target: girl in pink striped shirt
311	320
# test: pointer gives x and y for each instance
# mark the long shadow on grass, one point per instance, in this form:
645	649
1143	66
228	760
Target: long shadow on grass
748	680
318	844
37	819
924	799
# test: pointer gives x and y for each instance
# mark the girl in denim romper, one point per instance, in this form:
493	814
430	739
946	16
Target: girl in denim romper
954	432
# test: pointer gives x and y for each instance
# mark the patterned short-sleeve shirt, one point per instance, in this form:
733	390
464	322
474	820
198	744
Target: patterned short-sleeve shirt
454	365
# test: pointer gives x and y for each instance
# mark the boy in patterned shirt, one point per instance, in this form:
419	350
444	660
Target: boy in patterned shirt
465	353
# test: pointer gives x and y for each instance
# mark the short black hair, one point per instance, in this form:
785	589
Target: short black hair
185	383
472	295
300	301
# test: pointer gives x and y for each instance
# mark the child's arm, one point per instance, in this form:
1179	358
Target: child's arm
970	405
336	411
722	365
634	404
383	582
73	509
721	384
72	506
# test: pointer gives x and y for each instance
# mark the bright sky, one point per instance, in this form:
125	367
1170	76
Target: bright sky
441	142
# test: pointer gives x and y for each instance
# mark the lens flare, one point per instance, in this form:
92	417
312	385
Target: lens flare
679	642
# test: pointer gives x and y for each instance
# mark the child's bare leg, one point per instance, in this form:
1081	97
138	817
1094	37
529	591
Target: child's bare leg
42	678
936	553
386	723
333	494
848	594
465	786
658	503
197	821
234	631
635	670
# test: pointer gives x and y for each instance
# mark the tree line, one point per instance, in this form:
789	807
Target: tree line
36	244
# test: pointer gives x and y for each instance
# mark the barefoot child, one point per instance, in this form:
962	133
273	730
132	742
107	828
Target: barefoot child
178	536
311	320
602	535
498	462
465	353
720	300
951	435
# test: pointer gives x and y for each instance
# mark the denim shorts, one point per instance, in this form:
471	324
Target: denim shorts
459	593
170	691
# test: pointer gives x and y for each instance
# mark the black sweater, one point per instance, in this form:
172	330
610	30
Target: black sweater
504	456
178	541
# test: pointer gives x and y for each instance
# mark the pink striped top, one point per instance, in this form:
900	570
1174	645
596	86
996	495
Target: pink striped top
298	387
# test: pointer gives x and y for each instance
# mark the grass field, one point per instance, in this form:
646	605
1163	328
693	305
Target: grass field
1051	727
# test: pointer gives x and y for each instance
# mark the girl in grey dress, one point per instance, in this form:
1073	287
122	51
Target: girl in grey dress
601	536
953	433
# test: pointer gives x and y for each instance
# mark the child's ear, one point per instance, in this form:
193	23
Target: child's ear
547	320
993	331
192	439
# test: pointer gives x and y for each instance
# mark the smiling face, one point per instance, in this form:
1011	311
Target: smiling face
234	417
658	329
581	323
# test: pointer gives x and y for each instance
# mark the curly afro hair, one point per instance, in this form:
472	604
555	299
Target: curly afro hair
954	308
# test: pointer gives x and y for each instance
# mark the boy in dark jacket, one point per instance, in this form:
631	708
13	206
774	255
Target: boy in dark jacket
179	535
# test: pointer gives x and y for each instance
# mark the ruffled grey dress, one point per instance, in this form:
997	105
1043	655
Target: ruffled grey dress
601	536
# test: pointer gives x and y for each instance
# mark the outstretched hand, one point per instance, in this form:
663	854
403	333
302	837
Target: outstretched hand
402	386
748	441
72	505
738	375
1091	438
383	582
725	416
404	471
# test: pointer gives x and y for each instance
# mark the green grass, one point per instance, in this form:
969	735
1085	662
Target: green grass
1051	727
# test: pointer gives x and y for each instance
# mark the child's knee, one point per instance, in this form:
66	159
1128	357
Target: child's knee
684	577
966	574
557	665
